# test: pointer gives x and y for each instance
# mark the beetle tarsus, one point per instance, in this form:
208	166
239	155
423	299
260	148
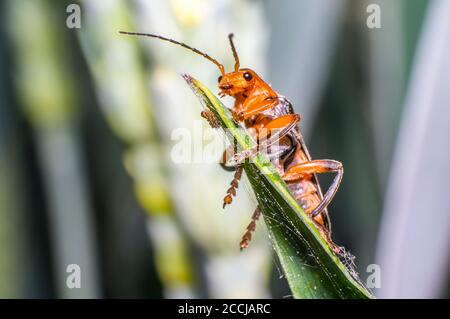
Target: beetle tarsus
245	241
210	118
231	192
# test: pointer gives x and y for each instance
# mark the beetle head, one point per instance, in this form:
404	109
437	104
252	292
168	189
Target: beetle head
237	82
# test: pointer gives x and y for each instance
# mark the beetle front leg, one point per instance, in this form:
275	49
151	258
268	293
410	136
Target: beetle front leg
269	134
210	118
254	106
223	160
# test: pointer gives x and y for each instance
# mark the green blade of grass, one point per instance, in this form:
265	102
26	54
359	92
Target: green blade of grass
307	262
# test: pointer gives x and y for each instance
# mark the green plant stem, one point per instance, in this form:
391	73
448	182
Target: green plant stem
311	268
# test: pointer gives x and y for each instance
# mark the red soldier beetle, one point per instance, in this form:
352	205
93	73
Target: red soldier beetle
261	109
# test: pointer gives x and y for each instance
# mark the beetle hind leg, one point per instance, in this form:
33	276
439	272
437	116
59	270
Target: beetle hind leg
300	171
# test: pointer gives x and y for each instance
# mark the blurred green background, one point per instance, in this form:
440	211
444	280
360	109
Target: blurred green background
87	120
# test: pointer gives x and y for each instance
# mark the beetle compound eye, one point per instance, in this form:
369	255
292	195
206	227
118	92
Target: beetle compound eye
248	76
219	79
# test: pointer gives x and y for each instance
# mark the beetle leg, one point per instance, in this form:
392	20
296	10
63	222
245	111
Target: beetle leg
231	192
250	229
210	117
304	170
258	104
255	106
269	134
223	160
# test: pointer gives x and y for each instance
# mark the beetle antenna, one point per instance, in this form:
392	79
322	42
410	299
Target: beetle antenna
206	56
235	55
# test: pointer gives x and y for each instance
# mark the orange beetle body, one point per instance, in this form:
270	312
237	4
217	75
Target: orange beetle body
266	113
